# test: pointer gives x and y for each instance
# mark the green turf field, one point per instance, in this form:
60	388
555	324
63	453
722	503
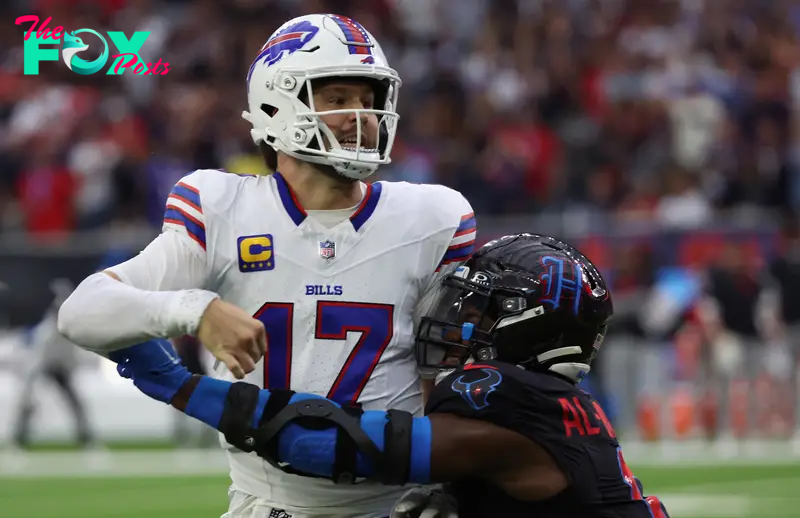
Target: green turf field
123	497
722	492
140	485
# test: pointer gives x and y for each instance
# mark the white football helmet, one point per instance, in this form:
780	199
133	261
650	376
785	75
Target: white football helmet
308	48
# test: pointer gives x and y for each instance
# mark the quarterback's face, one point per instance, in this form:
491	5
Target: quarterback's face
348	96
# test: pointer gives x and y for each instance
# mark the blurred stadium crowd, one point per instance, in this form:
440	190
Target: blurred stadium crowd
666	130
667	110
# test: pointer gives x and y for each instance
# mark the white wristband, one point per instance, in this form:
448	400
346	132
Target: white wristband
185	311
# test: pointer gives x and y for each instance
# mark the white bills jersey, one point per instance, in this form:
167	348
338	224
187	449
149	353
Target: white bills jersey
337	300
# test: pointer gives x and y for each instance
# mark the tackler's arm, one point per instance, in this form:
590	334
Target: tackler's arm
318	437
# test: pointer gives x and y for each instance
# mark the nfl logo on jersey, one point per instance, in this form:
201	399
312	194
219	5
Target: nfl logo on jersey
327	249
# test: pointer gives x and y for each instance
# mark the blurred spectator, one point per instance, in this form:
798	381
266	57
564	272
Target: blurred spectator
46	191
91	161
683	204
730	311
733	288
782	318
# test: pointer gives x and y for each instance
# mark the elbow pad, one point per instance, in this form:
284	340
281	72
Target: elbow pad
317	437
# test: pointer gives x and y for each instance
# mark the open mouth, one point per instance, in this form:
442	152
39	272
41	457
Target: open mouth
351	144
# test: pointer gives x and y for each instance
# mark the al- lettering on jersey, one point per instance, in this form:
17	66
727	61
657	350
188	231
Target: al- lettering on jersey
337	301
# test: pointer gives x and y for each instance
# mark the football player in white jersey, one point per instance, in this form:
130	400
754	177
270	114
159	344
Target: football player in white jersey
335	269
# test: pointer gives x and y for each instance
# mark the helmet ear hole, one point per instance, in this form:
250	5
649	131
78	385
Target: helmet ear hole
269	109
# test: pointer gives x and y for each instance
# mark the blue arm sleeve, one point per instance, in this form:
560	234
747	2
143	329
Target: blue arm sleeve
313	451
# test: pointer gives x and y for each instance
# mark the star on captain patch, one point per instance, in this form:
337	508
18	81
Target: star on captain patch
327	249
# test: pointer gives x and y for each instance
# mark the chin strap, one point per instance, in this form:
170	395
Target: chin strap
571	370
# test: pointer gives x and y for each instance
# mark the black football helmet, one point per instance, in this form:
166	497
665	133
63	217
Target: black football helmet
525	299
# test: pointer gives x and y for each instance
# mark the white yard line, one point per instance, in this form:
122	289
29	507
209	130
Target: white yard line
112	463
717	453
701	506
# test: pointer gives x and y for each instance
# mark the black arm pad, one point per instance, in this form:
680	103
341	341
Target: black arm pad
391	465
237	416
397	447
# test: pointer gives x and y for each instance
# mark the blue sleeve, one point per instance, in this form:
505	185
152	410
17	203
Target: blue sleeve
314	451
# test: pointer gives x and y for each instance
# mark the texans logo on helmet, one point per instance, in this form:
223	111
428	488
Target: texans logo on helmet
559	287
474	386
288	41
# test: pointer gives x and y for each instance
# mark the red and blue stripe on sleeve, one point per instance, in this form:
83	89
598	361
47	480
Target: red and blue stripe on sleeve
463	242
184	209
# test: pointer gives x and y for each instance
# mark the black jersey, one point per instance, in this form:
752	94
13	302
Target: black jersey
565	421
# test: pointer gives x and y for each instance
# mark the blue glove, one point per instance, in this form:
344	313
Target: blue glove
154	367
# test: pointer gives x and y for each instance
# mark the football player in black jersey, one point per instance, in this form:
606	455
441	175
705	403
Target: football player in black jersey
510	431
525	317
